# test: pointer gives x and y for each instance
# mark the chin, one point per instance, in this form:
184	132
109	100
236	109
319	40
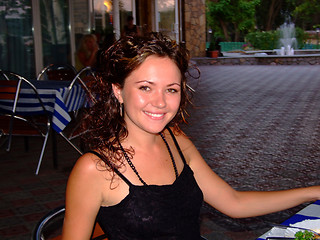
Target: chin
155	129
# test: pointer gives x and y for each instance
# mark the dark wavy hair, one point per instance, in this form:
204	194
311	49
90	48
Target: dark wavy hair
104	120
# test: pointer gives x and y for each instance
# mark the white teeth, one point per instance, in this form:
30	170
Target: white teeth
154	114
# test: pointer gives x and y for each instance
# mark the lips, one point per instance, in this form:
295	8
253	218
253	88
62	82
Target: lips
154	115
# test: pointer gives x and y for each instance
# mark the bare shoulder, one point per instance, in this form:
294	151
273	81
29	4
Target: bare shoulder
182	138
88	169
187	147
88	163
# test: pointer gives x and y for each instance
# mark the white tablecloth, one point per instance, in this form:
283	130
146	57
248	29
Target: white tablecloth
54	96
312	211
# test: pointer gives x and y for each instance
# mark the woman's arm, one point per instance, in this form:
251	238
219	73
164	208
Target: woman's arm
83	199
239	204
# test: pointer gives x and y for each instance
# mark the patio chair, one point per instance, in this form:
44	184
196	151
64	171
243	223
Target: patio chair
57	72
50	227
74	130
13	124
8	75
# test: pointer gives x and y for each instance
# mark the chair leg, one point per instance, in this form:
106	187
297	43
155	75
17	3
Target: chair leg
74	146
42	152
5	139
10	134
54	149
9	143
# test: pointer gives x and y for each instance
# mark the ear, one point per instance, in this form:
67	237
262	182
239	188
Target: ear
117	92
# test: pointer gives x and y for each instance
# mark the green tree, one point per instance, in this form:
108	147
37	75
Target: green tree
270	14
273	13
231	18
306	13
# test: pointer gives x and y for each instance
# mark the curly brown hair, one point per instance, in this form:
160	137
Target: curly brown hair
104	120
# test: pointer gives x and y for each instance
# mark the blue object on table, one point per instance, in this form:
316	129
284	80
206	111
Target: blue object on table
312	211
54	96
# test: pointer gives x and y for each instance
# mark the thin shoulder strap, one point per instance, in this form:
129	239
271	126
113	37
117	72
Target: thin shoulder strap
114	169
177	145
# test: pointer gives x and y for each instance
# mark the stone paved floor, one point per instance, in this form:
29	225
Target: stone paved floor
258	127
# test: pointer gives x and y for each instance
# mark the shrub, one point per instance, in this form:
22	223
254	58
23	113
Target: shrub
263	40
301	37
270	40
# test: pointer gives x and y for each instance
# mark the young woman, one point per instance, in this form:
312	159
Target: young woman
144	178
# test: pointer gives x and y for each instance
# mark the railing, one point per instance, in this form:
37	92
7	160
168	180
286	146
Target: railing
231	46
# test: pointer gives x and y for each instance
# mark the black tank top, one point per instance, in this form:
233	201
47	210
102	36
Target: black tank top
154	211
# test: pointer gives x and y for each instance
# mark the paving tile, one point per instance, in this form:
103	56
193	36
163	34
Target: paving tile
4	213
10	189
13	230
34	217
259	129
54	196
41	191
10	221
16	195
29	209
22	202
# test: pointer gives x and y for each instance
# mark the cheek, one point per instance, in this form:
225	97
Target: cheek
175	102
135	99
141	100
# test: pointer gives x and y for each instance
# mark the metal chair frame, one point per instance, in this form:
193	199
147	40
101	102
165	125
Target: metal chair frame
10	90
37	233
90	97
57	68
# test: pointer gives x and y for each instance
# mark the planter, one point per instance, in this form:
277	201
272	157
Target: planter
214	54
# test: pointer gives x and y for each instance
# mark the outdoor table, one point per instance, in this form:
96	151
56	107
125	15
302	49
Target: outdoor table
312	211
56	98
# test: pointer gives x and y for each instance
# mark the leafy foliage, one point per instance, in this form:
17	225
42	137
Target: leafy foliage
231	18
301	37
306	235
236	20
263	39
306	13
268	40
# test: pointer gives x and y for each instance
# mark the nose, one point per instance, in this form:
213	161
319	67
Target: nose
159	100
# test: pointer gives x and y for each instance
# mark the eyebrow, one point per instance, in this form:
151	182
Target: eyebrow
174	84
152	83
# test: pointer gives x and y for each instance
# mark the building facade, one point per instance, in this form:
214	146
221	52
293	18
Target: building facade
36	33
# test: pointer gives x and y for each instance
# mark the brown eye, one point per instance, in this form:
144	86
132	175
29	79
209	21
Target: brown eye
172	90
144	88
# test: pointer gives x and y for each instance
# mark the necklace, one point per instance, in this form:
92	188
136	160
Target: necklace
134	168
171	156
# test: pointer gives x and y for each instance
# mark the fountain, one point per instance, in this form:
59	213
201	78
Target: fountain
287	40
287	54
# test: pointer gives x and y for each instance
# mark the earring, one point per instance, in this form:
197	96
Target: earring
121	109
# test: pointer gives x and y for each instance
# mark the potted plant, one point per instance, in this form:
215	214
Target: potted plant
213	52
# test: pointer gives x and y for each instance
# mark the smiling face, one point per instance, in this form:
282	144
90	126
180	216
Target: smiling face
151	95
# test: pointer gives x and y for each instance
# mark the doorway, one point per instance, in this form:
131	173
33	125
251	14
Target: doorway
159	16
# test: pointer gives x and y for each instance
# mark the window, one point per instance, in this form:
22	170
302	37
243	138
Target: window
16	38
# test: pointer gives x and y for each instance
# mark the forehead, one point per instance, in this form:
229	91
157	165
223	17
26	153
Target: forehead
156	68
